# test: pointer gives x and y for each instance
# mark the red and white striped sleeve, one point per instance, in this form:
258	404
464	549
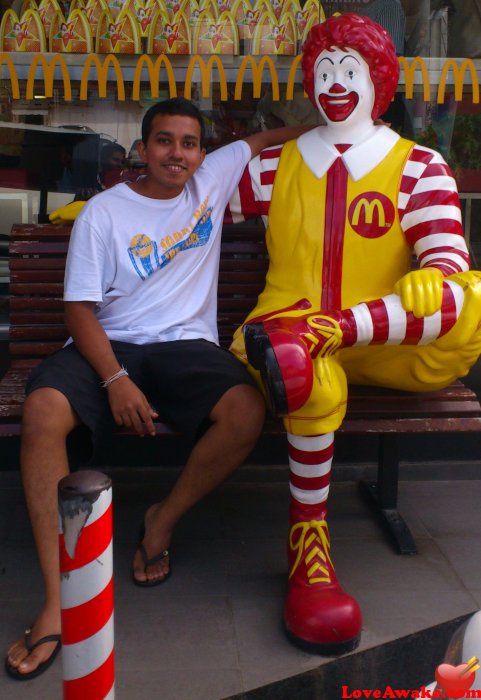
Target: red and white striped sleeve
430	212
253	195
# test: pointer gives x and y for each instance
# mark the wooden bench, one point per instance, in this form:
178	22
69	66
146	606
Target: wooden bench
37	260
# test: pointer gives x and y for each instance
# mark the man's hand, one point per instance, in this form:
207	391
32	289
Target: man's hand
275	137
130	408
421	291
66	214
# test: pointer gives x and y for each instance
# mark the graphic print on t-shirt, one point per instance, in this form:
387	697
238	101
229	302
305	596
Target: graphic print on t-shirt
147	256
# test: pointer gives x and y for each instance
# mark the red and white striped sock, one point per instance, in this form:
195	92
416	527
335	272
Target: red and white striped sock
384	321
310	461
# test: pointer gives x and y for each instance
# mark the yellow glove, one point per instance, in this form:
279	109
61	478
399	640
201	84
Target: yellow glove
421	291
66	214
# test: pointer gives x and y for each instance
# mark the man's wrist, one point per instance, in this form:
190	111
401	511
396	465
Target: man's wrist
122	372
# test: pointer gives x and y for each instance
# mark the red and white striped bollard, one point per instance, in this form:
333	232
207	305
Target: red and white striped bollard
86	572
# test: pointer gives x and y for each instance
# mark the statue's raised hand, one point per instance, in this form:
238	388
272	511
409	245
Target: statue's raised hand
421	291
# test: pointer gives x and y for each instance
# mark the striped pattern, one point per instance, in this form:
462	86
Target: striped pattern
87	607
428	205
310	461
254	193
430	214
384	321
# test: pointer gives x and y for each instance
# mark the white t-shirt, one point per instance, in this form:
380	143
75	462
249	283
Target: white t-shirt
152	264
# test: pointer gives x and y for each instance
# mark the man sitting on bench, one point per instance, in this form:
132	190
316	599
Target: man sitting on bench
141	306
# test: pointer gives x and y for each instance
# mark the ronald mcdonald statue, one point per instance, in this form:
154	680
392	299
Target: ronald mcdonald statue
347	205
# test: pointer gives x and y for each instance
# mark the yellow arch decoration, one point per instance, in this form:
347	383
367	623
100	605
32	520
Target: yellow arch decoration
409	71
458	72
291	79
154	75
102	72
48	76
205	75
102	65
257	72
13	75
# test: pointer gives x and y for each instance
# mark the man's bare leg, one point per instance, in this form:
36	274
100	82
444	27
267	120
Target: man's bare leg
47	420
237	422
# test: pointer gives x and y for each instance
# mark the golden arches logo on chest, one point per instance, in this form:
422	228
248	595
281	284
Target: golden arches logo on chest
371	214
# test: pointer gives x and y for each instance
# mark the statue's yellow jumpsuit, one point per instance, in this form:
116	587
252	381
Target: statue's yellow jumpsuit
337	242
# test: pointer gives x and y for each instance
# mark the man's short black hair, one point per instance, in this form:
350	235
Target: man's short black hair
176	106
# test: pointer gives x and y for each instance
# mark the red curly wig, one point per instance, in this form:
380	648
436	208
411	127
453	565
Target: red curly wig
367	38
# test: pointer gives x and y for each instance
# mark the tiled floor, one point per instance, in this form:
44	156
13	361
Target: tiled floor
213	630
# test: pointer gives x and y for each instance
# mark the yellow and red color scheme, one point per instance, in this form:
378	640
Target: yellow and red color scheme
346	206
25	33
316	606
71	34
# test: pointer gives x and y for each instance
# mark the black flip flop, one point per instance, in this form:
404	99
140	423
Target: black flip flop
149	562
42	667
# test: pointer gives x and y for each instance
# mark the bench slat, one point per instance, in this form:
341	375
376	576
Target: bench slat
37	333
17	265
242	276
56	248
43	288
458	424
33	277
28	302
32	231
30	350
238	263
37	315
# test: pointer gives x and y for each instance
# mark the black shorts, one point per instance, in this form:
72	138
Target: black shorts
183	380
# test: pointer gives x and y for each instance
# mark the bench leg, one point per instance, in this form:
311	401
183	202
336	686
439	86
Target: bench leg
383	494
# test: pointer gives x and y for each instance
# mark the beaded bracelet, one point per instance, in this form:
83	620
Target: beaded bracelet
121	373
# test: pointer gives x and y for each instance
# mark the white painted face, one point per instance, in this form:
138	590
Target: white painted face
343	87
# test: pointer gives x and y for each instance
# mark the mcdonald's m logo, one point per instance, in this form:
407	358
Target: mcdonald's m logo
458	74
257	72
48	76
205	76
153	70
417	63
102	75
371	214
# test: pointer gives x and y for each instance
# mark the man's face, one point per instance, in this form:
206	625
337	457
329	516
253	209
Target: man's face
172	153
342	86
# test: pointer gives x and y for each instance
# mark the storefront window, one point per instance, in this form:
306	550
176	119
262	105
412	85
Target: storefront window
56	118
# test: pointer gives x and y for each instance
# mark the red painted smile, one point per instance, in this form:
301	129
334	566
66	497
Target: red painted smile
337	108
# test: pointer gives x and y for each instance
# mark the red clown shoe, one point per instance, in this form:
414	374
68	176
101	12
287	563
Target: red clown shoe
282	349
285	366
319	616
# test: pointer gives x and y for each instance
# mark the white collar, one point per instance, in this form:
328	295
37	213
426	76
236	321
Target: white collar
359	159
